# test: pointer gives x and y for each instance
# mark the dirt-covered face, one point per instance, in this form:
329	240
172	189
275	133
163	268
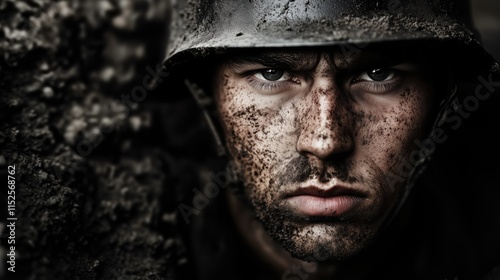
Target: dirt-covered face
318	137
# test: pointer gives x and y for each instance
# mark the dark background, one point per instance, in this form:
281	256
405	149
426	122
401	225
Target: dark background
487	19
93	169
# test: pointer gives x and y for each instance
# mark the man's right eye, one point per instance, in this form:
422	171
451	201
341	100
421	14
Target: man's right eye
272	80
268	80
273	75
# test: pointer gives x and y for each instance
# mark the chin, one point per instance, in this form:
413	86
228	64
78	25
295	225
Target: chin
324	242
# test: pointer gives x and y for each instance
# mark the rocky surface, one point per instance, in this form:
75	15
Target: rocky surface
88	171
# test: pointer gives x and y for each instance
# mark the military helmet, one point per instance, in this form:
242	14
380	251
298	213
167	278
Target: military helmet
199	28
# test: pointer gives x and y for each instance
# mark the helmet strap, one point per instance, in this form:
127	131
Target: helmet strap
204	103
447	106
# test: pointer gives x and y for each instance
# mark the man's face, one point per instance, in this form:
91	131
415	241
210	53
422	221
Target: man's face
319	136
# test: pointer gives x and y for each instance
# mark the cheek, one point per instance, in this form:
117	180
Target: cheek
387	133
258	133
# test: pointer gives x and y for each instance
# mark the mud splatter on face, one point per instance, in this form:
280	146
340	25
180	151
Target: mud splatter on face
300	169
320	125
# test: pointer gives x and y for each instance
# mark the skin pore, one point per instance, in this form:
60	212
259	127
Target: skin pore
322	123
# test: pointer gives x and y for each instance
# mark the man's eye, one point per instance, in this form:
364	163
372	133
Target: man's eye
378	80
272	80
273	74
377	75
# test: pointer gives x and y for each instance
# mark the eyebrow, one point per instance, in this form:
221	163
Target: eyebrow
287	60
344	59
378	56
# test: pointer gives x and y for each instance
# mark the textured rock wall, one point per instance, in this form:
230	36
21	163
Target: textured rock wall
80	131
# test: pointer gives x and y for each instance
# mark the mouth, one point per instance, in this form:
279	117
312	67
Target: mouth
335	201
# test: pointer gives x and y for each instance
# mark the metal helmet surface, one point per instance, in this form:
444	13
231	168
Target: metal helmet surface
201	27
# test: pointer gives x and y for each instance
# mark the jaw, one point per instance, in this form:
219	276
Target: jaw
316	262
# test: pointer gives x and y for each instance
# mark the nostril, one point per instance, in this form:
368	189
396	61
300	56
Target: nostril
324	145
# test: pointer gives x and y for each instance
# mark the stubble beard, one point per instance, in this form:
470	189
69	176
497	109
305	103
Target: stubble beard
315	239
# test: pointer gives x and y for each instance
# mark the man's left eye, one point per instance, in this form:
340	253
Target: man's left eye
377	75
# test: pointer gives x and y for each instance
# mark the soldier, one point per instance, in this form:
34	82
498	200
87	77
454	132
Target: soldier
343	122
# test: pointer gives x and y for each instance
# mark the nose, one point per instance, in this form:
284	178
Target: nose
325	125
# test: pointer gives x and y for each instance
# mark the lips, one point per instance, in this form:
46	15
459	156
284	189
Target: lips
331	202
